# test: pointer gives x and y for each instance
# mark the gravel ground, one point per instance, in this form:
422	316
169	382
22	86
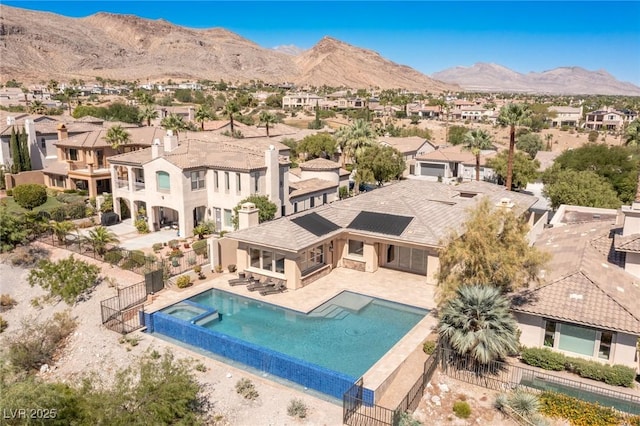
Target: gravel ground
95	349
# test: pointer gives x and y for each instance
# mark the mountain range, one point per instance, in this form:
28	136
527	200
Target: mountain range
39	46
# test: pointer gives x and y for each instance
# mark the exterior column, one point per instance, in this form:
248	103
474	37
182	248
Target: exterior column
131	179
151	218
93	187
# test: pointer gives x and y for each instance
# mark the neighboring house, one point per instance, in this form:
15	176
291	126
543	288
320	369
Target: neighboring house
472	113
452	164
427	111
301	100
196	180
565	116
399	226
608	119
410	148
82	159
316	182
588	307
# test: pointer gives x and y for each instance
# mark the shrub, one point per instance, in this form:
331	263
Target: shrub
543	358
36	343
59	213
616	375
578	412
462	409
113	256
199	247
174	244
67	278
7	302
183	281
142	226
406	419
429	347
231	268
197	269
157	247
219	268
297	408
9	192
76	210
176	252
246	388
30	195
191	260
28	257
3	324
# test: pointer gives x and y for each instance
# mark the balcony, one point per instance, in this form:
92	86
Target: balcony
138	186
122	183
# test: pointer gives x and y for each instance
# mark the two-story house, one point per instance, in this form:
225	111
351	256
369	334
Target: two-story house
301	100
607	119
565	116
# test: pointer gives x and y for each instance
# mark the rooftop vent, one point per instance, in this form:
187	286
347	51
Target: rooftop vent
575	296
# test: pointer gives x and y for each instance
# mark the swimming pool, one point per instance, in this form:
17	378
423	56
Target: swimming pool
347	334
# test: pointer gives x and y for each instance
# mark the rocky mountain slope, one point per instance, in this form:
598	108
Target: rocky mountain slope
563	80
38	46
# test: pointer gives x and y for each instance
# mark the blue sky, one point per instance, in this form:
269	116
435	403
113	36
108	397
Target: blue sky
426	35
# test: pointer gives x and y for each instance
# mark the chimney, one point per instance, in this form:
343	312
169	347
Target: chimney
170	141
192	115
62	132
247	216
156	149
272	176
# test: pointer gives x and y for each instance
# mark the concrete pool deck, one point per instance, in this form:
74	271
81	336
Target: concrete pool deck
400	287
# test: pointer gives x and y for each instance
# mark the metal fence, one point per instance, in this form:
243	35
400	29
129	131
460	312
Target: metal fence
356	411
502	376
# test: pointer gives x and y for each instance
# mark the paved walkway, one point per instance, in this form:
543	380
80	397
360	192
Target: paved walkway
401	287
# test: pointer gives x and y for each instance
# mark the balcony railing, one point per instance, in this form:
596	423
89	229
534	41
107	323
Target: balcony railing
138	186
121	183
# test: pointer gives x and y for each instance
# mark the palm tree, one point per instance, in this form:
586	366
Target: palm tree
99	237
476	141
117	136
174	122
267	118
513	115
477	323
231	108
148	113
61	229
203	113
360	135
632	134
37	107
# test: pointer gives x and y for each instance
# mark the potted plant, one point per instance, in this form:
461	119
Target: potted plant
198	270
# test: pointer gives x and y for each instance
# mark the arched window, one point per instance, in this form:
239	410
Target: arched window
164	183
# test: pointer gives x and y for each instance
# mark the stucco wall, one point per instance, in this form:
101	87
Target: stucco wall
13	180
530	326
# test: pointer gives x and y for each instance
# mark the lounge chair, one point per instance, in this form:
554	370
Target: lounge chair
278	288
260	286
242	280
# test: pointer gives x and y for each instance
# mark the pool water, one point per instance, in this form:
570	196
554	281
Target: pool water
183	311
348	333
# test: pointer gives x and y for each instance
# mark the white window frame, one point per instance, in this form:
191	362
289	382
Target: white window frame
197	180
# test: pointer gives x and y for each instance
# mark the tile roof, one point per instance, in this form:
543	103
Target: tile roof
140	136
437	209
319	164
404	145
628	243
455	154
308	186
582	285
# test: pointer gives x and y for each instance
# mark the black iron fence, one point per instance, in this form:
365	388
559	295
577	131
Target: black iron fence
502	376
356	411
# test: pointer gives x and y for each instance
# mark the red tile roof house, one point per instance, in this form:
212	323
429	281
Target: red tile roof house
589	305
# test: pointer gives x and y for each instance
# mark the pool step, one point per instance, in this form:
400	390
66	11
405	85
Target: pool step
331	311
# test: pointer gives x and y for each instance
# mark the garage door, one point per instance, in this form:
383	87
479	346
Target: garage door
431	169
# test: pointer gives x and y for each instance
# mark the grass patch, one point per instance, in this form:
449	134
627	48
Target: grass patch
15	208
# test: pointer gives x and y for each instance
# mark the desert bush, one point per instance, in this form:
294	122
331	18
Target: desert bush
218	268
113	256
30	195
199	247
191	260
246	388
142	226
406	419
76	210
297	408
231	268
59	214
429	347
9	192
176	252
543	358
3	324
7	302
69	198
183	281
36	342
157	247
462	409
28	257
174	244
67	278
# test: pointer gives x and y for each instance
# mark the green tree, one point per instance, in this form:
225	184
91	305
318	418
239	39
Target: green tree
274	101
492	247
477	322
100	237
230	109
266	209
384	162
25	157
512	116
118	111
37	107
476	141
354	139
12	230
148	113
267	118
203	113
524	169
616	164
530	143
318	145
632	134
457	135
30	195
174	123
16	152
67	278
117	137
580	188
